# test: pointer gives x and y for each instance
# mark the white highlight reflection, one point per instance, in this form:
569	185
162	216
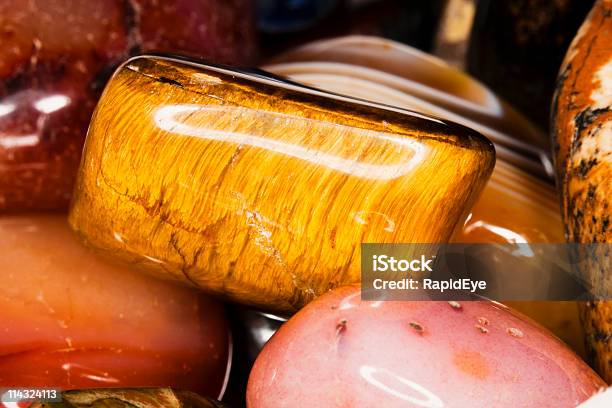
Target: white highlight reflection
89	373
9	142
427	398
362	218
52	103
6	108
507	234
351	301
172	119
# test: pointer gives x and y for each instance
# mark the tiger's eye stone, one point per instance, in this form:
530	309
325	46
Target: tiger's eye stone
582	124
260	190
55	57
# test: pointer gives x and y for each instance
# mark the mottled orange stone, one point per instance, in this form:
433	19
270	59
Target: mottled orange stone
582	124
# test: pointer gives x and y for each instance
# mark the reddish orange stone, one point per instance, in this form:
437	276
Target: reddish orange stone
71	320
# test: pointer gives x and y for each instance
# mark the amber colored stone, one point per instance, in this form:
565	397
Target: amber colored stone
582	125
434	86
55	57
131	397
262	191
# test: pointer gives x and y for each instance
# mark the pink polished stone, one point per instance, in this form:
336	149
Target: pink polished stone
339	351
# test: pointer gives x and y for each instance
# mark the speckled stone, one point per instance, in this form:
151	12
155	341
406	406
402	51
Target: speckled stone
582	123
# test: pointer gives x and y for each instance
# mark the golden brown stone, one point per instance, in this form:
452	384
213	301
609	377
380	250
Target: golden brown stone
262	191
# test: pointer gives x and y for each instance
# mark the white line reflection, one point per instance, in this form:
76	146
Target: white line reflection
507	234
428	399
89	373
9	142
51	103
172	119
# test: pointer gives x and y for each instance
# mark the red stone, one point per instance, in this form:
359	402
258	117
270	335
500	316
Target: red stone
55	57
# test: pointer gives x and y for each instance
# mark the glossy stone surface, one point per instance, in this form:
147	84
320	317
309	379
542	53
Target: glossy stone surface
515	205
428	83
339	351
55	57
71	320
582	125
262	191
